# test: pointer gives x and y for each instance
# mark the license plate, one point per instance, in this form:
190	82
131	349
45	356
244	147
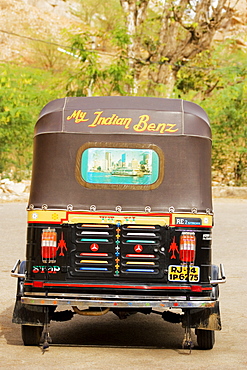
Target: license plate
183	273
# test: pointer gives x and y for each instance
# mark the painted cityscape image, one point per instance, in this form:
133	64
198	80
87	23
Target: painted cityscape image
119	166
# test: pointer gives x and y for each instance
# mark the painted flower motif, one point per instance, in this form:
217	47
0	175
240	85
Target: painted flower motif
34	216
54	216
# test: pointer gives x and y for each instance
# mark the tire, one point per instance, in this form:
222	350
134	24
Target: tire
31	334
205	338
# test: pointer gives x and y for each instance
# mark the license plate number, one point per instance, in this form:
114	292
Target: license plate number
183	273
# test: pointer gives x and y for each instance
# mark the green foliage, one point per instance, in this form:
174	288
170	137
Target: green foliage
99	74
119	37
228	112
217	81
23	93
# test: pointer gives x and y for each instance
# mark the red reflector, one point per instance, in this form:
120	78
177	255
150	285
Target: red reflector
196	288
187	247
38	284
49	245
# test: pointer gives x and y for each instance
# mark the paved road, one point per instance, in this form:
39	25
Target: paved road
140	342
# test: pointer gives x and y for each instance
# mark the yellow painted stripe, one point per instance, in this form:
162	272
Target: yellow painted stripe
63	217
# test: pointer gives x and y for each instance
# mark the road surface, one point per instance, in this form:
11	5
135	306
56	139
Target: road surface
140	342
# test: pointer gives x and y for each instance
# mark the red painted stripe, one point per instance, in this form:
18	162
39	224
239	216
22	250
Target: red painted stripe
101	214
191	226
118	286
129	214
94	254
111	286
46	222
140	255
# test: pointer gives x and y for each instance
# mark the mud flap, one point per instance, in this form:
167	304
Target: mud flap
206	318
26	314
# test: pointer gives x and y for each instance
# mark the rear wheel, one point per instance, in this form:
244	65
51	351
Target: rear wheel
205	338
31	334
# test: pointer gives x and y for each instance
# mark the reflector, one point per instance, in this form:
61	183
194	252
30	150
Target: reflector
48	245
187	248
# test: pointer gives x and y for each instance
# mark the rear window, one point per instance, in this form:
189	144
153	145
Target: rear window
120	166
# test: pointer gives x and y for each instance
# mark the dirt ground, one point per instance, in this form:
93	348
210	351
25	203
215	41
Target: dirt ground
140	342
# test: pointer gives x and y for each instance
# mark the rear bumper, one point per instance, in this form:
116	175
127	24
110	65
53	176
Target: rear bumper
120	302
157	295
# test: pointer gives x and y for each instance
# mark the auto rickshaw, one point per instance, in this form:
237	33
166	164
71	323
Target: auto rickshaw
120	216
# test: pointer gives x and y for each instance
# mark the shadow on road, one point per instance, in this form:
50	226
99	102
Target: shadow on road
137	331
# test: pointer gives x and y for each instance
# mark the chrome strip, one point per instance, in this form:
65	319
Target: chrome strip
86	303
112	296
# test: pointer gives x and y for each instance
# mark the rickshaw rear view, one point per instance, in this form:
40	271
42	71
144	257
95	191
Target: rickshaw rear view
120	216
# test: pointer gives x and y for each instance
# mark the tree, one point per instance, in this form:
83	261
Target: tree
186	28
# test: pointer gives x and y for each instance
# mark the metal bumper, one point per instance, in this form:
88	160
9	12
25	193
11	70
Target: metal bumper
17	274
84	303
222	278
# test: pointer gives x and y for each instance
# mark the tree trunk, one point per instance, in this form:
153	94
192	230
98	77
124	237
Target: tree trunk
135	13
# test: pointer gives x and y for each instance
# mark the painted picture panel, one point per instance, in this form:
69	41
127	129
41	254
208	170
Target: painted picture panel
121	166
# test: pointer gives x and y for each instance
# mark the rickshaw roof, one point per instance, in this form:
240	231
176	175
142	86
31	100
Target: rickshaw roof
118	114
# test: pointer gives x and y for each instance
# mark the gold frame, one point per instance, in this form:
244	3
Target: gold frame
120	186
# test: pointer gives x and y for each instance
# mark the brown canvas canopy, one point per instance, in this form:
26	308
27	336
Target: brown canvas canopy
179	129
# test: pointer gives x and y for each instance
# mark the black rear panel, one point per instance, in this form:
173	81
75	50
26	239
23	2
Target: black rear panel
118	251
114	253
